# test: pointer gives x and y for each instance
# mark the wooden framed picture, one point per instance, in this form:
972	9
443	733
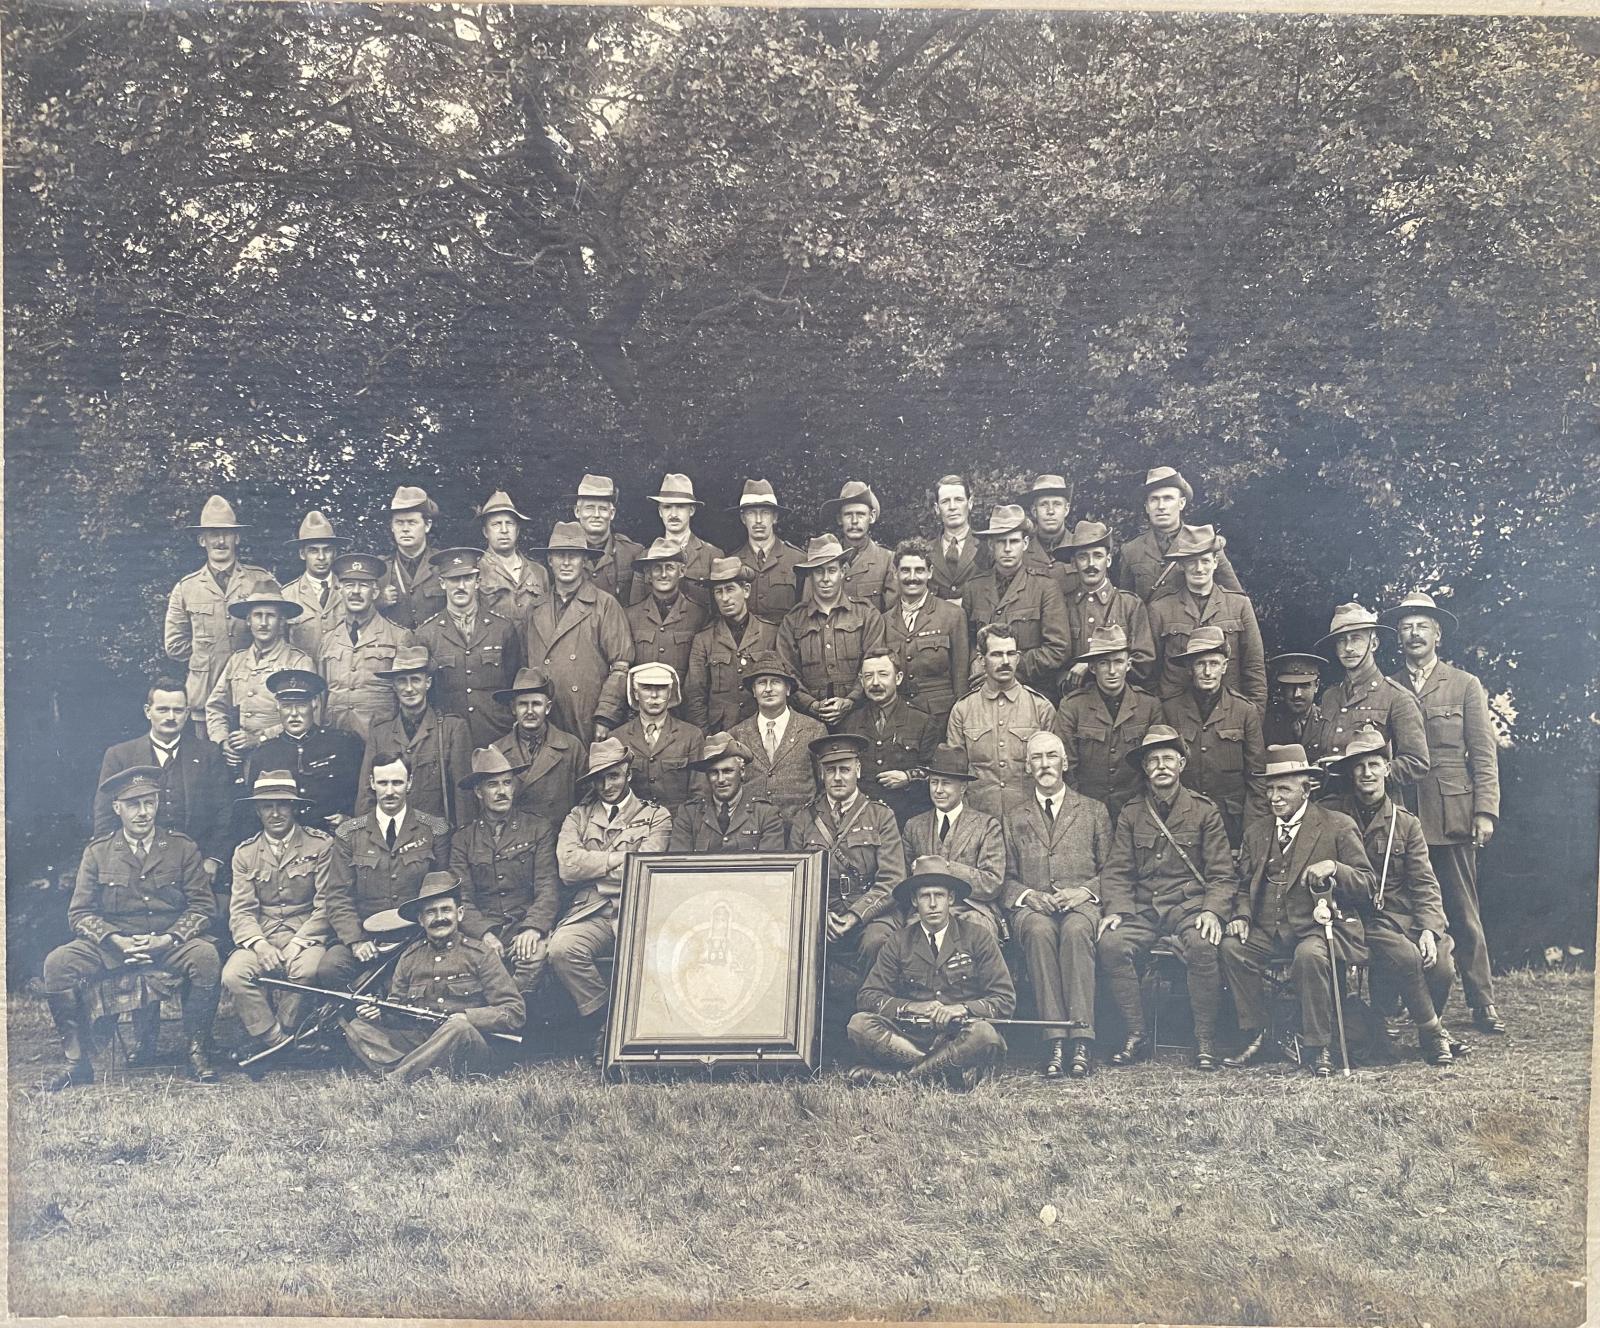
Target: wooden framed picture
719	961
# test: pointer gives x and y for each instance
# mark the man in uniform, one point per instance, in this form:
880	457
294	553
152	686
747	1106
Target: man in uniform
900	738
970	841
993	722
379	859
278	912
1025	598
360	648
509	583
445	971
142	902
727	818
198	631
824	638
1199	601
1100	724
1293	714
868	572
661	745
476	652
665	622
1170	876
1458	797
1057	843
866	859
1363	697
241	713
1220	729
580	636
592	853
1048	503
315	590
928	635
1144	568
595	508
410	593
325	763
506	863
437	747
714	695
1302	867
777	736
548	756
675	505
1405	922
1094	603
925	1005
956	554
774	564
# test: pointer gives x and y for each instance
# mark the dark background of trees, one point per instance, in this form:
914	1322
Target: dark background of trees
1341	271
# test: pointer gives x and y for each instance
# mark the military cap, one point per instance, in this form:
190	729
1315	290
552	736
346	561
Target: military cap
315	528
1352	617
1046	486
455	562
757	493
499	504
930	869
768	664
266	593
1155	738
950	762
660	551
275	786
1005	519
1103	641
1296	666
436	885
1368	741
1165	477
1085	535
830	746
676	488
486	763
217	514
360	566
852	491
1288	759
1202	641
407	659
597	488
567	537
718	746
1192	541
134	782
724	571
820	550
412	498
530	678
296	685
1419	602
607	754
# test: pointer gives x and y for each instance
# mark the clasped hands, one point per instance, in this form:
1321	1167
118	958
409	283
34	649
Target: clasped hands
142	949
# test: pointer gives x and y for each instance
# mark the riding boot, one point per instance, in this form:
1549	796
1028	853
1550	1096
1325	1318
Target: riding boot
947	1056
67	1011
147	1033
199	1013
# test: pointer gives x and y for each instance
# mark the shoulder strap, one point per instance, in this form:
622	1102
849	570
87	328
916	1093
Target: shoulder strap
1176	847
1383	878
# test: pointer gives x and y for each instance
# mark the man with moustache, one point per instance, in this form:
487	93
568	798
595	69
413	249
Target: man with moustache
928	635
1170	876
774	564
1144	568
1200	602
714	695
1024	597
900	738
548	756
1364	698
1048	502
1094	603
661	746
410	592
476	653
594	507
362	647
436	746
314	589
1100	724
726	818
509	583
956	554
824	638
241	713
993	722
665	622
676	506
868	574
1458	797
969	840
325	763
1293	714
778	737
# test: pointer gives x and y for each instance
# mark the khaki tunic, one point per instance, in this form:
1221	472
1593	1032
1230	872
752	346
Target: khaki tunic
356	696
755	825
1173	620
199	630
665	638
661	774
512	594
1098	745
993	728
306	631
776	588
1349	706
825	649
468	672
1031	604
1462	779
240	698
866	856
714	695
1142	568
934	654
282	896
869	575
366	877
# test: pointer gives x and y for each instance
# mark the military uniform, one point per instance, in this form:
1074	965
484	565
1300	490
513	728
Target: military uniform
869	575
697	555
1098	742
786	775
1279	727
866	860
1350	705
439	755
665	637
365	876
200	632
825	649
326	764
546	786
775	583
1174	619
714	695
612	571
661	773
512	589
974	850
1031	604
240	699
468	672
510	883
192	790
1091	611
993	728
586	646
900	737
1225	749
356	695
420	589
1040	555
755	825
934	652
318	616
1142	568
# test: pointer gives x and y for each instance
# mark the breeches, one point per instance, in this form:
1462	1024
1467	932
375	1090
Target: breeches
1133	937
573	952
71	967
1397	967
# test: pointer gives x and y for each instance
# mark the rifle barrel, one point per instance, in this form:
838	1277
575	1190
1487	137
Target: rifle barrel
363	998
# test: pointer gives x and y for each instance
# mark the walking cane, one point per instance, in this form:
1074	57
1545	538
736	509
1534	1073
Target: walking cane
1338	996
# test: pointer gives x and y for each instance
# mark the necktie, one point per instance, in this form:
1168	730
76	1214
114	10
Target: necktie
722	817
163	754
944	828
1283	836
651	733
1050	810
354	639
838	811
933	943
952	550
611	813
761	560
771	727
139	850
388	835
322	596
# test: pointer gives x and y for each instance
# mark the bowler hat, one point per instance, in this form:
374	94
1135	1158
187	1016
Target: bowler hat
268	594
1368	741
1004	519
757	493
296	685
852	491
606	754
1165	477
768	664
499	504
530	678
412	498
831	745
567	537
820	550
275	786
660	551
455	562
676	488
725	571
1287	759
1046	486
486	762
435	885
407	659
1296	666
1156	737
1103	641
718	746
1085	535
950	763
1192	541
364	566
132	782
315	528
598	488
1202	641
217	514
1419	602
931	869
1352	617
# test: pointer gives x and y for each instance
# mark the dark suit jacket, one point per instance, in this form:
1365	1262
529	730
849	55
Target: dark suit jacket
976	851
1323	834
906	743
1069	854
949	579
195	787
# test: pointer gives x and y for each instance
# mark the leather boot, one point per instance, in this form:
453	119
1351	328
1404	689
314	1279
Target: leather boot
67	1012
1321	1062
1434	1040
1134	1047
1078	1067
1205	1054
147	1033
944	1058
1054	1067
1488	1019
199	1013
1248	1054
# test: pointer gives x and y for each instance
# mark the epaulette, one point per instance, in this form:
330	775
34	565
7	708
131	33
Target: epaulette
313	833
470	942
252	839
437	824
1039	694
347	827
432	618
101	839
761	797
163	833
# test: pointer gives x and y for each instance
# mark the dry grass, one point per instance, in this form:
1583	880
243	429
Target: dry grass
1405	1196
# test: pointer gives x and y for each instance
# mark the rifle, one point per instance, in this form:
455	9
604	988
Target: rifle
924	1021
362	998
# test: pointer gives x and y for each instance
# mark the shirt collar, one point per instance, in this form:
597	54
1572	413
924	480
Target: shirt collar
954	813
937	936
136	844
1294	821
1011	693
399	823
1420	676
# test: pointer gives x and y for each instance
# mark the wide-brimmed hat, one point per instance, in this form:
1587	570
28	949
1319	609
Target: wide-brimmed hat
1156	737
499	504
676	488
217	514
1085	535
1192	541
296	685
1296	666
658	673
757	493
387	922
412	498
768	664
132	782
1352	617
717	747
601	488
315	528
950	763
1165	477
1287	759
1368	741
607	754
1046	486
455	562
435	885
1004	519
821	549
830	745
931	869
275	786
530	678
487	762
660	551
567	537
266	594
351	566
1103	641
407	659
1419	602
725	571
852	491
1202	641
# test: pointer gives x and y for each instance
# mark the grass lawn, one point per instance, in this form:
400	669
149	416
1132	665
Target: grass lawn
1406	1195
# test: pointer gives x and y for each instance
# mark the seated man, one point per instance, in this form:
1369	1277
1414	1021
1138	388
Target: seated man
1057	843
1301	869
447	971
661	744
506	863
925	1006
899	738
727	818
142	901
969	841
325	762
279	910
1405	924
1171	875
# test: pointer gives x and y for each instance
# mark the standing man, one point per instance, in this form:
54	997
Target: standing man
1144	568
580	637
675	505
595	507
325	763
1293	714
410	593
315	590
970	841
824	638
774	564
727	818
868	575
1364	697
548	756
1101	724
1057	843
1301	867
1458	797
993	722
1049	502
714	695
1201	602
1025	598
198	631
476	653
1220	729
778	737
509	583
362	646
241	713
506	863
665	622
142	901
956	555
1094	603
661	746
1170	876
436	746
900	738
928	635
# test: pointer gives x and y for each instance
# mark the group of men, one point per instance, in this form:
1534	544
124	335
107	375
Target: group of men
996	741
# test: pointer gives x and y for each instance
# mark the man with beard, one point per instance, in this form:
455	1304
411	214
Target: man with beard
1293	714
993	722
928	635
241	713
360	649
1364	698
970	841
549	756
594	507
868	575
1198	602
900	738
325	763
824	638
774	564
1101	724
956	554
1094	603
726	818
665	622
1144	568
315	590
410	592
714	695
436	746
509	583
1023	597
675	505
476	653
